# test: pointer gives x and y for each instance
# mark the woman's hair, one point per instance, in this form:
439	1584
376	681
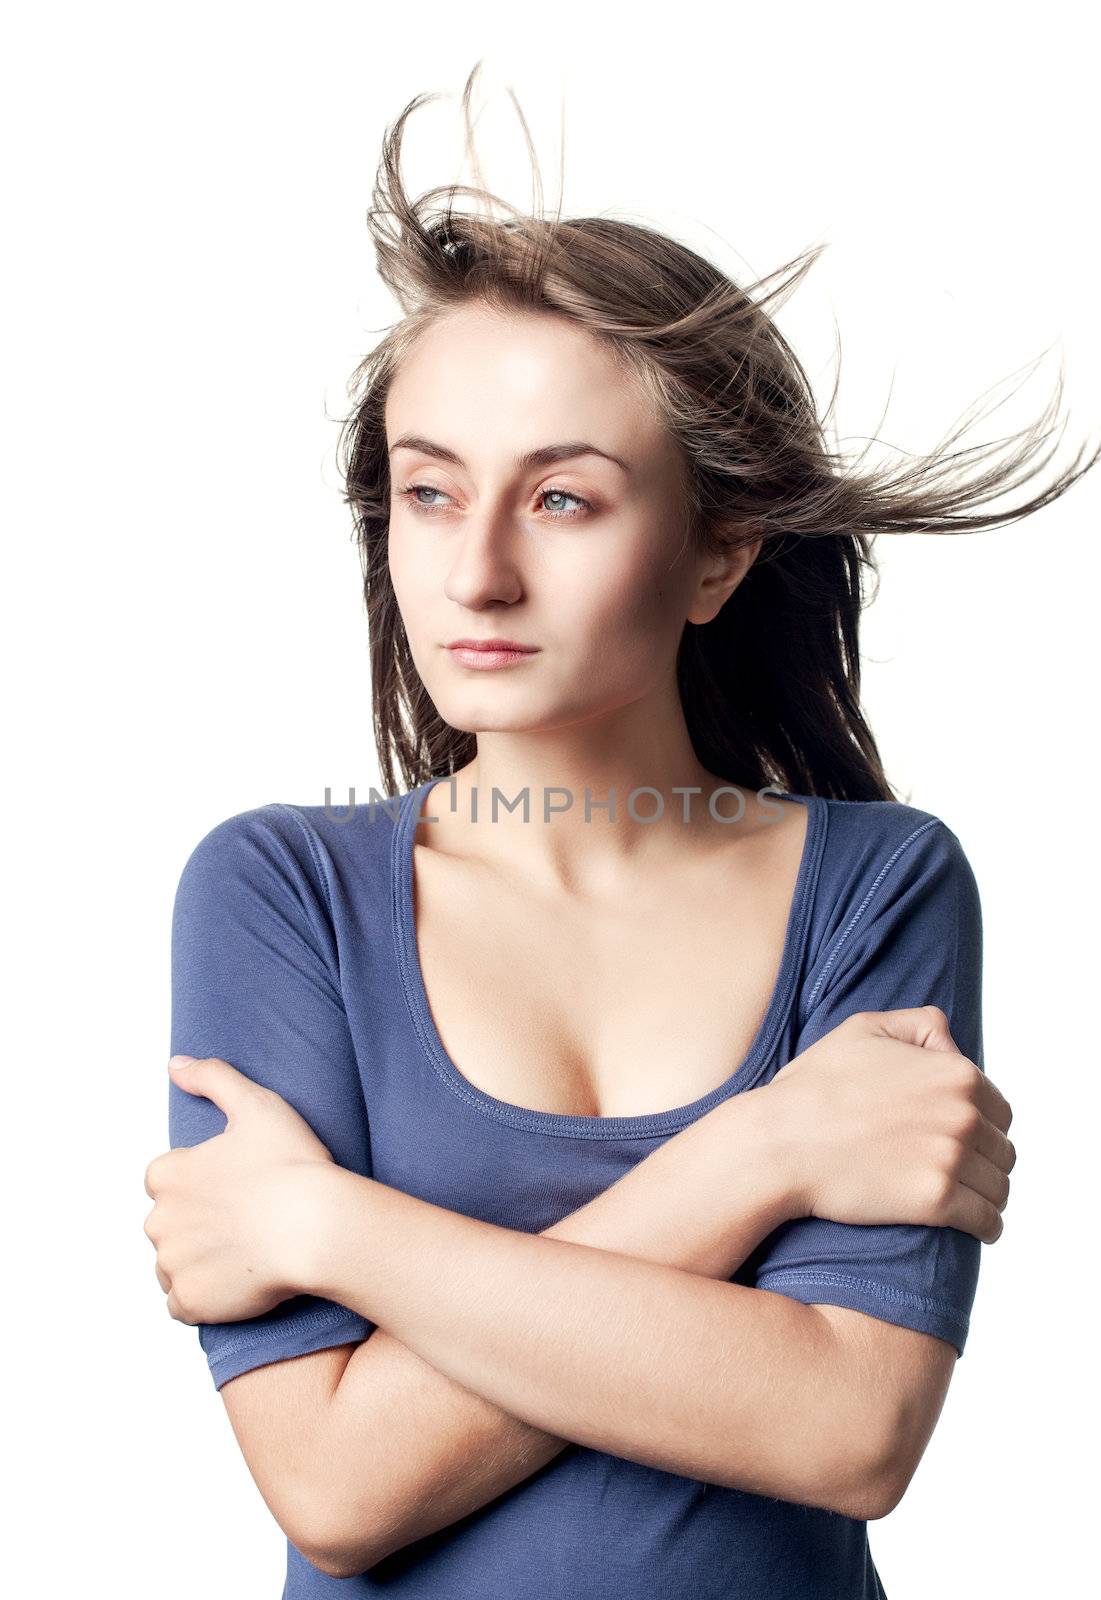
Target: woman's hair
771	685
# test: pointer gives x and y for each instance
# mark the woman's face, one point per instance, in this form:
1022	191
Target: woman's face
581	557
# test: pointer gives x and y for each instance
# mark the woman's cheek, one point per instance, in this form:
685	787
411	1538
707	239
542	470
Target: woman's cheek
634	638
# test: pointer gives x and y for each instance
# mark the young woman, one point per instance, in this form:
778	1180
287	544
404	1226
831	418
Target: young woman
582	1193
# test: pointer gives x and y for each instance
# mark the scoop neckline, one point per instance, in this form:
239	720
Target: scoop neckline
649	1124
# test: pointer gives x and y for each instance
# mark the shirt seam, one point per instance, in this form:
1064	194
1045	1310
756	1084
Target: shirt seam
301	1320
868	1286
842	938
317	857
315	854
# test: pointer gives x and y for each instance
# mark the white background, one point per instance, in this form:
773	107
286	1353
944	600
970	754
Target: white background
189	287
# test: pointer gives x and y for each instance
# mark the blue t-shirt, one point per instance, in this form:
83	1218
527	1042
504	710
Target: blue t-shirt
294	957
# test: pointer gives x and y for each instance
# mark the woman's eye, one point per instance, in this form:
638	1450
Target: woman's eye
413	491
564	494
416	489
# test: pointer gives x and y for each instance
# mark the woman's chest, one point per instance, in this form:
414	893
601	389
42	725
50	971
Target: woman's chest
627	1008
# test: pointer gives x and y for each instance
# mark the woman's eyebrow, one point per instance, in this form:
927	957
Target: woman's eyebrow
547	455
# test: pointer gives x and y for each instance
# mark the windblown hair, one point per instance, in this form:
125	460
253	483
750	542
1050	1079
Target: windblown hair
771	685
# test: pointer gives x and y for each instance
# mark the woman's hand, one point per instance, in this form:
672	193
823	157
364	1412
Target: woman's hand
233	1214
884	1120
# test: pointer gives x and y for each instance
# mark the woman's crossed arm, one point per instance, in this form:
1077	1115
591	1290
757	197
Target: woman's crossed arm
496	1348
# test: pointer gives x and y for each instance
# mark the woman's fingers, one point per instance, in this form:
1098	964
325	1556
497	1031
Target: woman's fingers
972	1212
986	1179
993	1103
992	1143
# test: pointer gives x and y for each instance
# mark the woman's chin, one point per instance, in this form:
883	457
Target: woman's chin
490	712
468	722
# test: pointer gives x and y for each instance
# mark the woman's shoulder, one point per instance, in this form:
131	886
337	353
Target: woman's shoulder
886	852
353	830
286	843
895	823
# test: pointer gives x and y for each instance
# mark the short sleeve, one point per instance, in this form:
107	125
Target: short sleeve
912	938
255	982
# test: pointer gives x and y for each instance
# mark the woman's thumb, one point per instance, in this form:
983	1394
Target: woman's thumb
927	1026
212	1078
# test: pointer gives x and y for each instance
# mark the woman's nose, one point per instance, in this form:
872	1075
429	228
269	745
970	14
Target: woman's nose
486	564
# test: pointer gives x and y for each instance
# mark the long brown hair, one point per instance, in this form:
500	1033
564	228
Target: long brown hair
771	686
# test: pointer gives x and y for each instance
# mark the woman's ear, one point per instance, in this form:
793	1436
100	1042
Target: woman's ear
720	574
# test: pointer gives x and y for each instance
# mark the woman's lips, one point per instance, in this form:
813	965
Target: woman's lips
490	653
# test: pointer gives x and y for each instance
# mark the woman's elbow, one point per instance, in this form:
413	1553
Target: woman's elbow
334	1564
336	1554
343	1542
877	1498
340	1546
872	1490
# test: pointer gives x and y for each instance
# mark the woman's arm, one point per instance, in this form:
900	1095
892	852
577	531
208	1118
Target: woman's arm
373	1447
624	1351
645	1361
